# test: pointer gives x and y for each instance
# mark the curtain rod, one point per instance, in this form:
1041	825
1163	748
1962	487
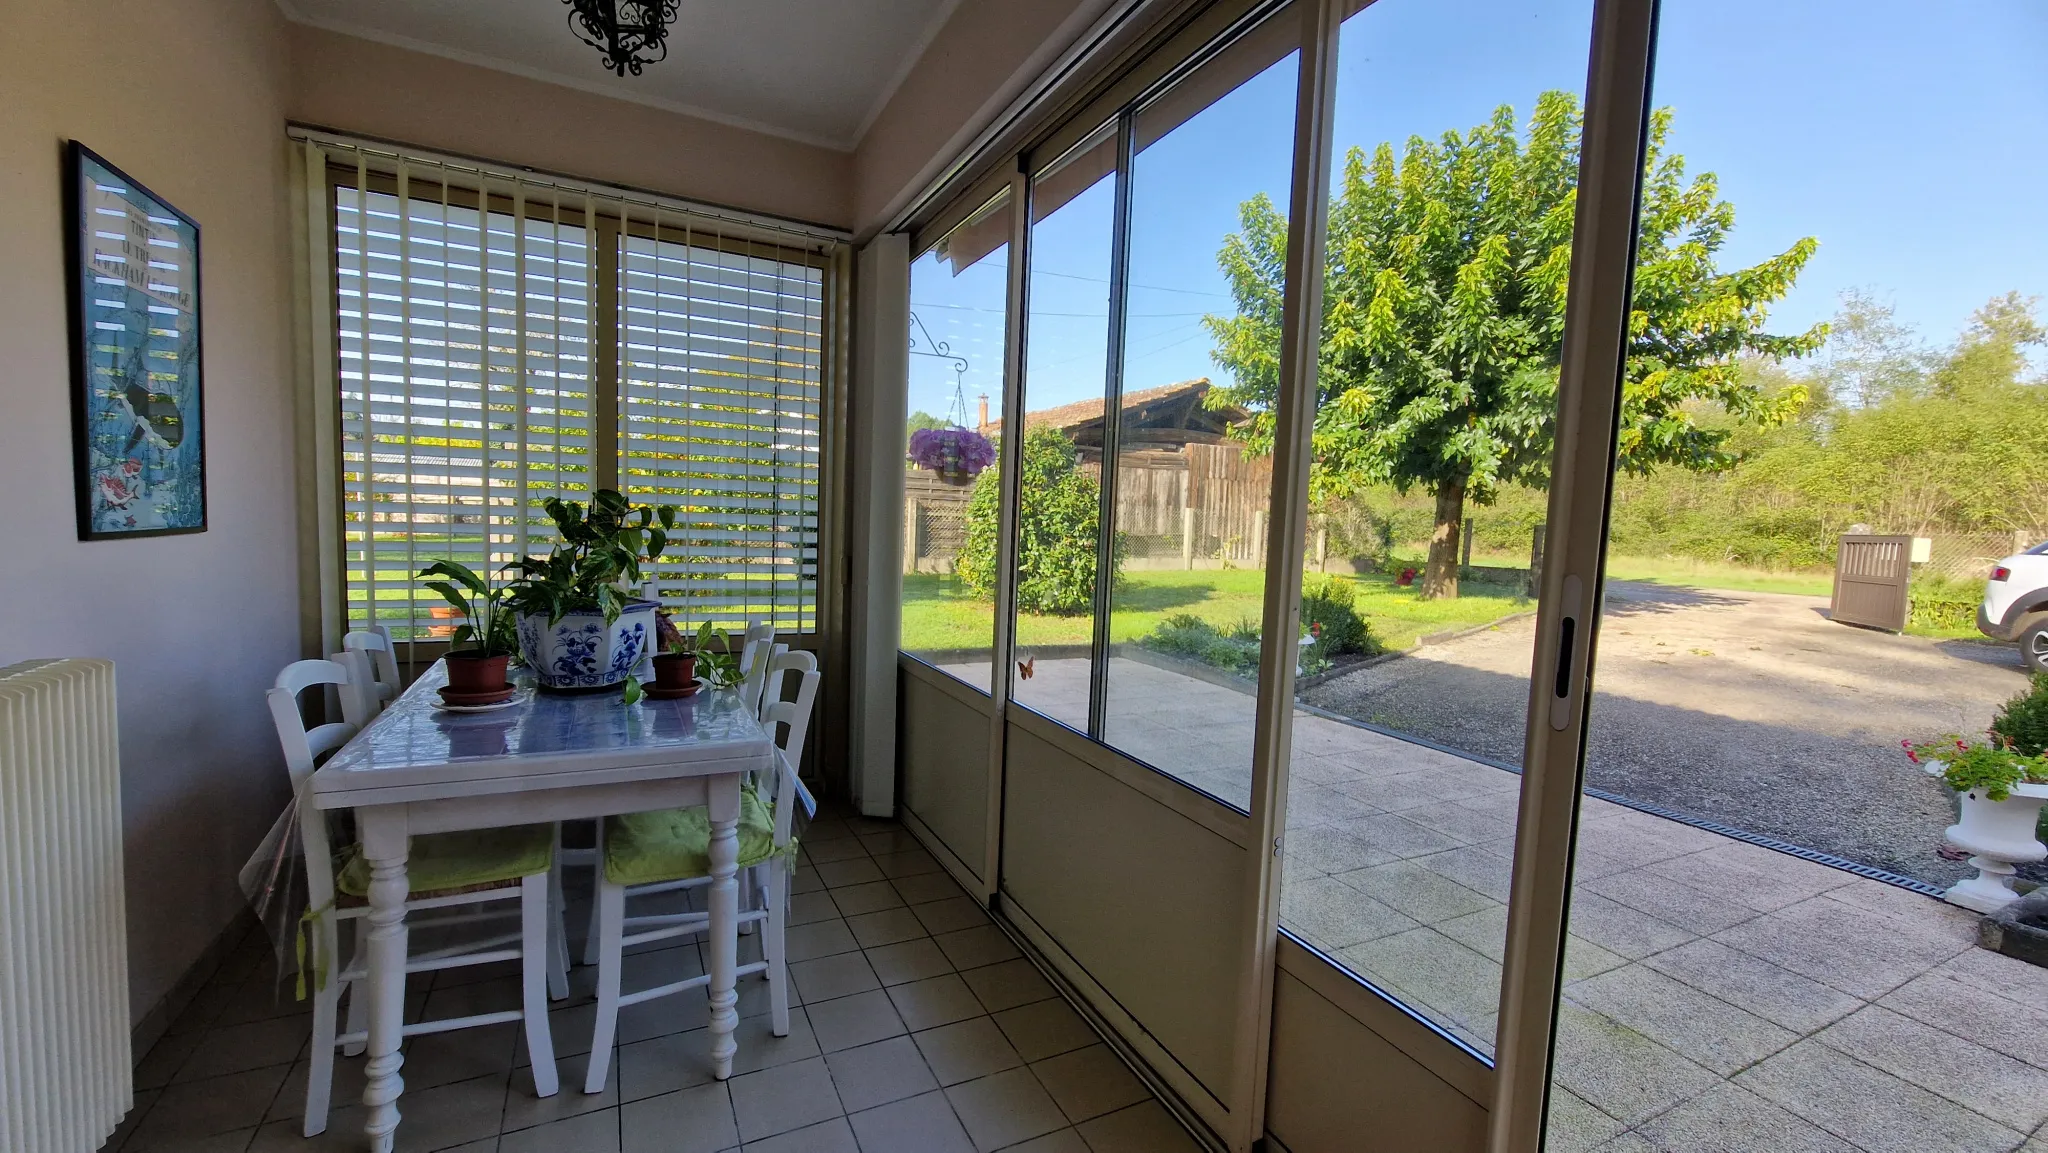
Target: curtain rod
817	234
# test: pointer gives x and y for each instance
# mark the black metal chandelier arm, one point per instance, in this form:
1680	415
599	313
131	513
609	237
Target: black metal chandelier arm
629	34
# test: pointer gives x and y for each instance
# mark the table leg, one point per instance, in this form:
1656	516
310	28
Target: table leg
724	911
385	846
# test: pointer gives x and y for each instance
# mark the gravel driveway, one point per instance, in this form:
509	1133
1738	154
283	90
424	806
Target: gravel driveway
1751	709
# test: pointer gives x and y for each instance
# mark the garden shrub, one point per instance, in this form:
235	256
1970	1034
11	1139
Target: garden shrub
1056	529
1327	612
1189	636
2024	719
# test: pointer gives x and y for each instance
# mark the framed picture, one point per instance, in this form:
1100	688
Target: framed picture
137	416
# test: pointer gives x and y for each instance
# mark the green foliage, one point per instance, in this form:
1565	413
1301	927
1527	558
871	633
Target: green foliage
716	662
2023	722
1056	529
595	563
1327	613
487	624
1444	313
1189	636
918	422
1989	767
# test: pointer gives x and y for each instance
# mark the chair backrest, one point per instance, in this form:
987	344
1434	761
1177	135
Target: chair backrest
359	703
376	641
303	749
794	718
794	713
754	652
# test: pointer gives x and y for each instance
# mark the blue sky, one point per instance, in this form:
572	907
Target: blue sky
1910	139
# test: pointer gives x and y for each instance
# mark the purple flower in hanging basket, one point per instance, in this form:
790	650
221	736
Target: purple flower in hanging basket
956	454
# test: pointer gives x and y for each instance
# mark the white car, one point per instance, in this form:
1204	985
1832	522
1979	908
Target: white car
2015	605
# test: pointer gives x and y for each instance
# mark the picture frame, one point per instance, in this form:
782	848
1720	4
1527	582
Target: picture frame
137	388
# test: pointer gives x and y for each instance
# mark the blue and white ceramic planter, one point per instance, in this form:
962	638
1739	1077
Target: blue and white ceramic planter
581	651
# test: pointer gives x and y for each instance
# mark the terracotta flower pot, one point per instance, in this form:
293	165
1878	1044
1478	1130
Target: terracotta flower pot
675	671
470	672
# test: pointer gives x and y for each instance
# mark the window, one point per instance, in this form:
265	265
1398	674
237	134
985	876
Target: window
496	350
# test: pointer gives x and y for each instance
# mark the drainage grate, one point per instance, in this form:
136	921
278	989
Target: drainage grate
1656	810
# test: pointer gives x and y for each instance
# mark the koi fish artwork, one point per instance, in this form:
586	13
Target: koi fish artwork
136	357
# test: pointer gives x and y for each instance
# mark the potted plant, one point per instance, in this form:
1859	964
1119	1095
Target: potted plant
580	619
476	675
2000	791
677	666
956	454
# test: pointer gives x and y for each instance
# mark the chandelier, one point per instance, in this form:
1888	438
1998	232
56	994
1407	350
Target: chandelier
629	33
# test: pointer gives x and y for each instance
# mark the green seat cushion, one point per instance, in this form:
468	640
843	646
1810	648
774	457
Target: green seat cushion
439	861
675	844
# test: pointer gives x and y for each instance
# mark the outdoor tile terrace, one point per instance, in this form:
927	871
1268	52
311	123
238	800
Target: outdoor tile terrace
1719	995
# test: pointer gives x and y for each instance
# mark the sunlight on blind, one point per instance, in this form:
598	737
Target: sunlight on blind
720	412
468	315
476	405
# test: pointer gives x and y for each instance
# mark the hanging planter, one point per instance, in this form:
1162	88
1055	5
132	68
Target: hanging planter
956	454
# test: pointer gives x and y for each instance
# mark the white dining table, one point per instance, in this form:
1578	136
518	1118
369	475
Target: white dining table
420	769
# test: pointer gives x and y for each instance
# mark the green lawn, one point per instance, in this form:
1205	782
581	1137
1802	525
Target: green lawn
939	612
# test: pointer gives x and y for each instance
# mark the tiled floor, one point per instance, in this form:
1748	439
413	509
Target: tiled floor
920	1030
1718	995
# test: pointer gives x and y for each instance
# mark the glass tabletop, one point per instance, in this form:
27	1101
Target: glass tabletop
415	738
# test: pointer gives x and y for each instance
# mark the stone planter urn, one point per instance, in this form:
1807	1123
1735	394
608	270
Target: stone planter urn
583	651
2000	836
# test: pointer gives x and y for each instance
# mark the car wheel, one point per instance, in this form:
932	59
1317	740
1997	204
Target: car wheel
2034	647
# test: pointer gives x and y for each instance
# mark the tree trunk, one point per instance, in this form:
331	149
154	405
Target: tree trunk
1440	579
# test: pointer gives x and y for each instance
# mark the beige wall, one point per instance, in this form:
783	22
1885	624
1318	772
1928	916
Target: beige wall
187	96
373	89
987	52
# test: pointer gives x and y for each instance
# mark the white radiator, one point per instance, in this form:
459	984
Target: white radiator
65	1078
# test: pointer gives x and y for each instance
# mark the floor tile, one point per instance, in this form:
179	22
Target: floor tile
805	908
857	871
2017	1030
695	1120
856	1020
1573	1126
1696	910
1336	915
239	1048
786	1097
1730	1119
923	887
934	1001
966	1049
926	1124
1005	1108
1620	929
440	1117
972	948
1426	965
912	863
156	1068
1142	1128
839	975
1868	1107
596	1132
1708	1030
1044	1029
1835	945
853	900
950	914
2007	1091
817	939
235	1141
1058	1141
834	1136
877	1074
1772	992
908	961
1089	1082
886	927
841	849
1619	1071
1415	890
1008	984
215	1105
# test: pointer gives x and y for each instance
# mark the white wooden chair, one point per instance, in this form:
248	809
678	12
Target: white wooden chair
674	846
374	641
756	648
492	865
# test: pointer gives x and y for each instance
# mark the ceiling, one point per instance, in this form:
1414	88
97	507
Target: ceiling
812	70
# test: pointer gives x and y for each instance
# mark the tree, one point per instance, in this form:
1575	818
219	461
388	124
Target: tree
1056	525
1870	357
918	422
1443	319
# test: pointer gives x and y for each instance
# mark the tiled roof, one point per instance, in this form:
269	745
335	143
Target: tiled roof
1082	411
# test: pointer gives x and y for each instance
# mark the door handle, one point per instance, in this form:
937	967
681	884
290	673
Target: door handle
1564	679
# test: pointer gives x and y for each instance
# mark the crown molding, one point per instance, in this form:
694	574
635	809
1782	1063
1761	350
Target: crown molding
911	59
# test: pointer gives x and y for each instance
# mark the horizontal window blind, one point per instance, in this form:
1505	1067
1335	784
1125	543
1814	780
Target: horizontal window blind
501	340
721	415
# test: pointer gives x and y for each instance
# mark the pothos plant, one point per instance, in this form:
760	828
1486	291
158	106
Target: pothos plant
595	565
1991	767
718	666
